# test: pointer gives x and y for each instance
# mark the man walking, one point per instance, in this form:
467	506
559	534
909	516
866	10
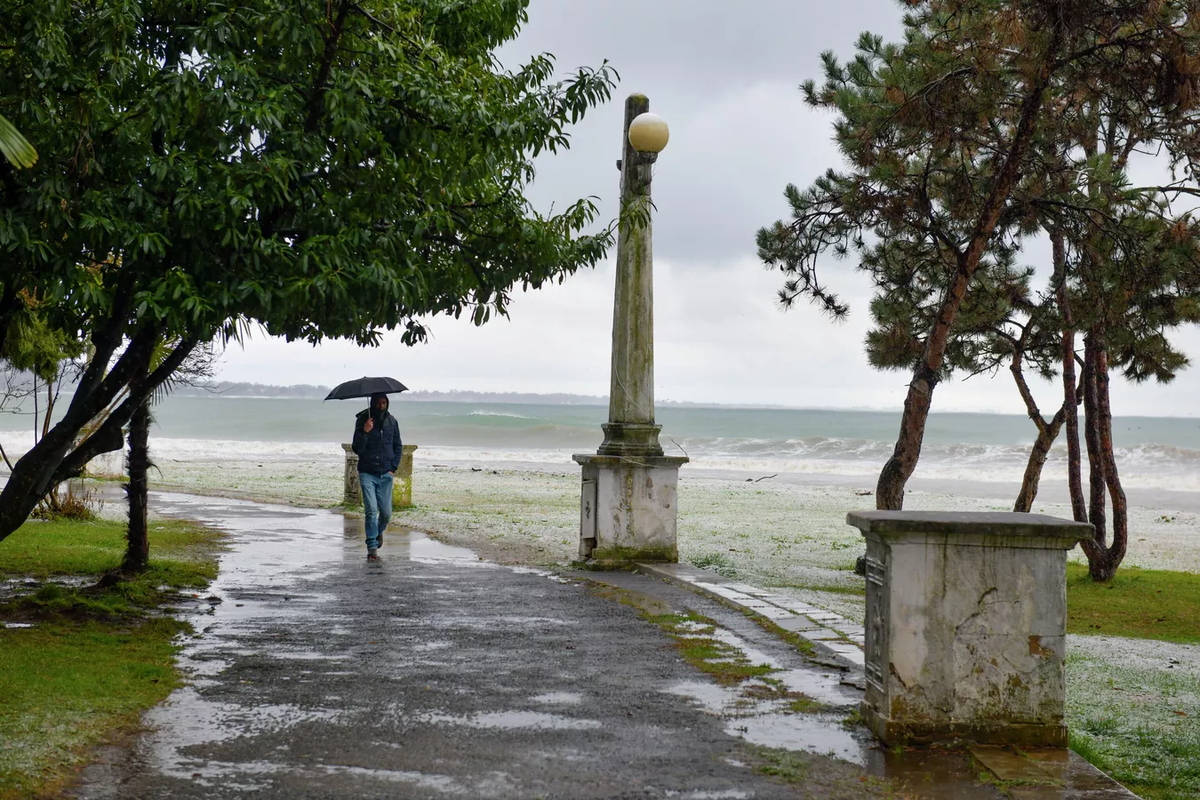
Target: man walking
377	444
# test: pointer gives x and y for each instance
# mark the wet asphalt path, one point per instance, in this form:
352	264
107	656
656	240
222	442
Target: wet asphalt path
431	674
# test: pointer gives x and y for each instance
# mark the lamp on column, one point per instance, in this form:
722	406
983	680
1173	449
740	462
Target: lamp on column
648	133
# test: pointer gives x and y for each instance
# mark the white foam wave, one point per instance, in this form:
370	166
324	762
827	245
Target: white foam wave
1141	467
498	414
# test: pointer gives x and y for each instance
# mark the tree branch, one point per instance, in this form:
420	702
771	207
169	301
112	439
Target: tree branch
316	102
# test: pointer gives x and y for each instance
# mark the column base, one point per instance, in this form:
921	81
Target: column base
628	508
630	439
912	732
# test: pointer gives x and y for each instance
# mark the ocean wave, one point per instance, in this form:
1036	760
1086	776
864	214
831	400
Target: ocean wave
546	442
498	414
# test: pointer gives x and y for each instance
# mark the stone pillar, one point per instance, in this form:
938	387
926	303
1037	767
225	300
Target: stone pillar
631	426
351	492
628	507
402	487
966	626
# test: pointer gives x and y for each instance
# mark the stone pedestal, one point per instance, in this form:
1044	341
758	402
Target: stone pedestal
351	491
628	508
966	626
401	488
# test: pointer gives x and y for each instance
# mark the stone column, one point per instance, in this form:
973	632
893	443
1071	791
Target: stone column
351	493
966	626
628	508
402	486
631	428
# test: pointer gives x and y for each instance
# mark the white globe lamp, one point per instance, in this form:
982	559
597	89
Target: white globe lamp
648	133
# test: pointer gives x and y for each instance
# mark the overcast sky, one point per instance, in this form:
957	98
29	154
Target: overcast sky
724	75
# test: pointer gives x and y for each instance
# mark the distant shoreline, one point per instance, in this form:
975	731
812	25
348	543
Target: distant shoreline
256	391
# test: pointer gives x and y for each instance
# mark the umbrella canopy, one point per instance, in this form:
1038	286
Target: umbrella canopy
365	387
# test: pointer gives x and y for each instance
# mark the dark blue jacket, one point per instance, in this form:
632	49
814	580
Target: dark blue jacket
378	451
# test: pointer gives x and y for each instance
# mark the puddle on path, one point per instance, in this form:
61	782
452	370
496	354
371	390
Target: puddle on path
194	720
759	710
756	657
824	687
820	734
766	722
558	698
712	698
514	721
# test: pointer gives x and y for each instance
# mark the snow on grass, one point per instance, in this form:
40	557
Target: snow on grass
1133	707
783	535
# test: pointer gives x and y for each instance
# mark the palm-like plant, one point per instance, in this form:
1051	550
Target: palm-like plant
15	147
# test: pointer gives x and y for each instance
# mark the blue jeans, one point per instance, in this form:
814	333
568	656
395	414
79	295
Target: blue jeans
377	504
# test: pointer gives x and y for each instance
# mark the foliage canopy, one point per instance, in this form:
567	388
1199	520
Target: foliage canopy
326	168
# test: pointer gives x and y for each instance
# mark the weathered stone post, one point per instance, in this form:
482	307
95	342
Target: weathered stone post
402	486
966	625
351	492
628	506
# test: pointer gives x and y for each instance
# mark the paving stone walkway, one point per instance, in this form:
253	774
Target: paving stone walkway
834	636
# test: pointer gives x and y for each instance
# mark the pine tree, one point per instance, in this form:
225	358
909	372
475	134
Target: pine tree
963	142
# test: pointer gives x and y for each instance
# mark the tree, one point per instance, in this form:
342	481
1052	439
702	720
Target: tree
327	168
197	368
946	135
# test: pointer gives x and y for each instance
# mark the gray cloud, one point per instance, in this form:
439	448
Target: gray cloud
725	76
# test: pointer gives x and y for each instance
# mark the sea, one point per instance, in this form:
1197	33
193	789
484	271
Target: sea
1153	453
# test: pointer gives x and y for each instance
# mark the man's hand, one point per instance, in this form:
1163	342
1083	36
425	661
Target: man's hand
369	425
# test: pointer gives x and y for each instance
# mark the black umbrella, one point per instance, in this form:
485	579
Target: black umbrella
365	387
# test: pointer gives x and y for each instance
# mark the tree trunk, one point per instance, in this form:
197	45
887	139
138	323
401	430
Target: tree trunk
137	548
1120	508
1097	480
1103	559
56	457
34	472
1047	433
889	491
1074	480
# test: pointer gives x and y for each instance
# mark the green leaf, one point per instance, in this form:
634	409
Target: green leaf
15	147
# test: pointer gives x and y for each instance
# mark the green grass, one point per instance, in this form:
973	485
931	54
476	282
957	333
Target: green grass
1138	603
70	547
67	685
692	633
1138	724
1153	764
95	658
